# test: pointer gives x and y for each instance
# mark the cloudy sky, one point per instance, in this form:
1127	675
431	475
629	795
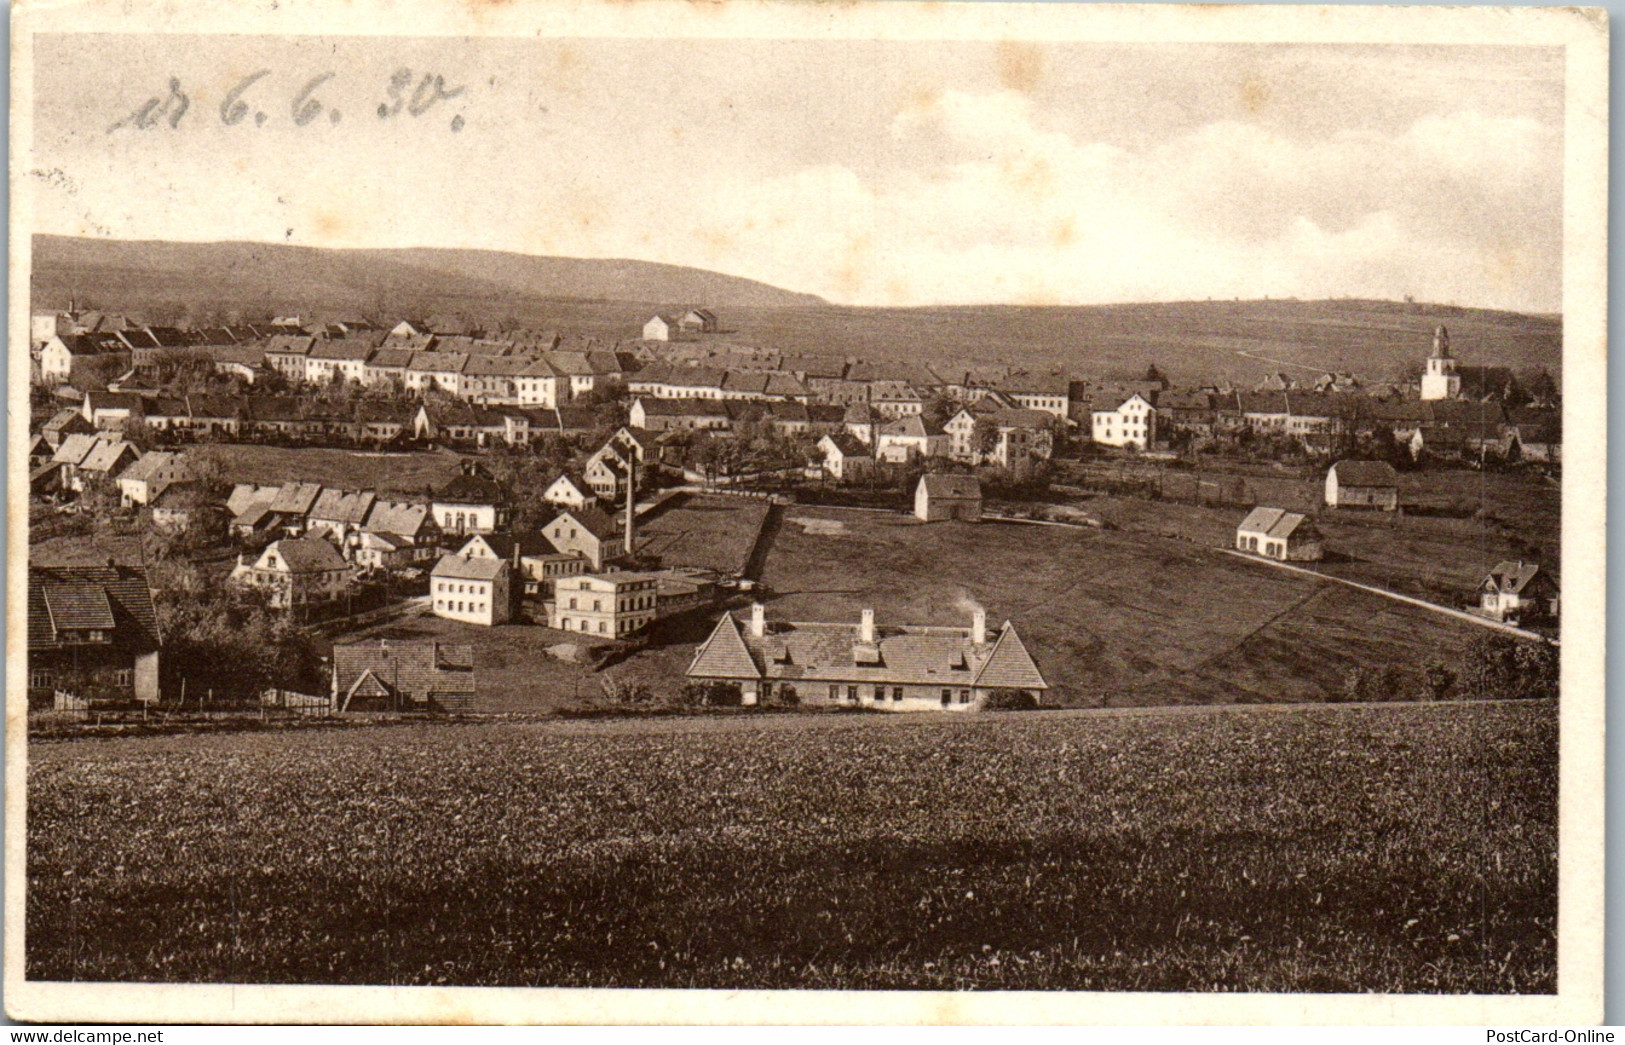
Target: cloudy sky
897	173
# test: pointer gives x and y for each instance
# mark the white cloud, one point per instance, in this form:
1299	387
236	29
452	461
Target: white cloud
1022	212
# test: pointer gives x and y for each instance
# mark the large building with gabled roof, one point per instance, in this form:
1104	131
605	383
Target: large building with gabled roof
891	668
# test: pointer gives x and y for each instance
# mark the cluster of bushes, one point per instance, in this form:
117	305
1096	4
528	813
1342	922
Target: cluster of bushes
1492	667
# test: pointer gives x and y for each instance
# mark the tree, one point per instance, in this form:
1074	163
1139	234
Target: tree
1498	666
939	410
985	436
1010	700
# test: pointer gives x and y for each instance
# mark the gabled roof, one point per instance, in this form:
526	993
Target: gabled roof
594	520
64	420
471	489
150	465
403	518
75	448
469	567
1365	473
1010	665
1277	522
938	485
575	480
107	455
306	554
438	362
414	669
89	598
724	655
1513	577
295	498
848	444
911	427
502	545
390	359
343	349
344	507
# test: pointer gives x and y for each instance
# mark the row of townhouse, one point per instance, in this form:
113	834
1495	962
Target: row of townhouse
303	418
487	372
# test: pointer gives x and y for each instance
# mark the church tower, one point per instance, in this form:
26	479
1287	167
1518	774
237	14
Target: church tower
1441	381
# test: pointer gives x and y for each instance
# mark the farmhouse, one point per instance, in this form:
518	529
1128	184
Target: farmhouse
389	675
905	668
910	438
472	589
1362	484
588	532
297	572
92	634
939	497
612	605
570	490
1517	592
147	478
846	458
1132	424
1279	534
660	328
471	503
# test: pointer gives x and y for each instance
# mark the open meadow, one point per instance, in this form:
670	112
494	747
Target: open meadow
711	531
348	469
1395	848
1111	617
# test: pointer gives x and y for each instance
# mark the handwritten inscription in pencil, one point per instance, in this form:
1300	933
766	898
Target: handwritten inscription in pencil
257	96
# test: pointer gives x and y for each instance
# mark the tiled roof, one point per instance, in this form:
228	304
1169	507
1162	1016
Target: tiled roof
404	518
1010	665
340	506
124	593
390	359
150	465
415	669
849	445
307	554
921	656
75	448
594	520
724	655
471	489
107	455
296	498
1513	577
952	487
1276	522
469	567
1365	473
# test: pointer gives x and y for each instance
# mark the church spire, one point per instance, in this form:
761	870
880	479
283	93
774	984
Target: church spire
1441	343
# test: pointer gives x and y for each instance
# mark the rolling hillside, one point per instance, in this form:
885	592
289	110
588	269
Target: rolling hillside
1190	341
144	274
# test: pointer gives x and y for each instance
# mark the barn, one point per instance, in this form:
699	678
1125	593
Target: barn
939	498
1362	484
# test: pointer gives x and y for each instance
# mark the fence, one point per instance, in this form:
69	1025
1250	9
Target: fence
298	703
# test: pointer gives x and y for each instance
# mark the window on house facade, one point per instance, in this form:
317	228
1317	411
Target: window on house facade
852	693
964	696
834	691
124	677
41	678
896	693
947	696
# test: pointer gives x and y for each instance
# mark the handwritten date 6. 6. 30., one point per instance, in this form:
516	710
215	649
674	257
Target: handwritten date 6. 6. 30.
406	91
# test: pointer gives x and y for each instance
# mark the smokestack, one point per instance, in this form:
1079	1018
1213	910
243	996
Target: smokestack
758	619
631	498
866	630
978	626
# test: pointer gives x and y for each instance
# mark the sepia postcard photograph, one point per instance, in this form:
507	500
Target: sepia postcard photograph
767	512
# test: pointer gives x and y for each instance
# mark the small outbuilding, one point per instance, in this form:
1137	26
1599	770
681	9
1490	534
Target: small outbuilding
939	498
1276	533
1362	484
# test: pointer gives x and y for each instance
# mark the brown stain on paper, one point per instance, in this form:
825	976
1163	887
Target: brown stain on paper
1021	65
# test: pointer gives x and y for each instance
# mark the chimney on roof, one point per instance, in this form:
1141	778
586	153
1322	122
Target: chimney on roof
978	626
866	629
758	619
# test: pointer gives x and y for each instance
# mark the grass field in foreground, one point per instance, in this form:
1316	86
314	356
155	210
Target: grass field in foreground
1114	617
1402	848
